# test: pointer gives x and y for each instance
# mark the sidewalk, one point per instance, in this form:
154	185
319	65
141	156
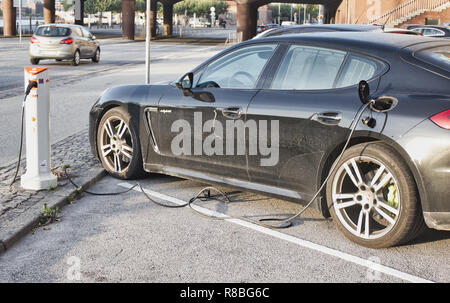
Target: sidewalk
20	209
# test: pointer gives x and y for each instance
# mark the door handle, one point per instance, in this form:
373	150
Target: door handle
232	112
329	118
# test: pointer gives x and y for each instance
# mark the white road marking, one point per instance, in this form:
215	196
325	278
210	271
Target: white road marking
304	243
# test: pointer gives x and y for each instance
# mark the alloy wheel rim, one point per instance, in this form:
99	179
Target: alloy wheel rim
77	57
97	55
366	197
116	144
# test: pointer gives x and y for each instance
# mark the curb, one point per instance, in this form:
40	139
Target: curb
24	227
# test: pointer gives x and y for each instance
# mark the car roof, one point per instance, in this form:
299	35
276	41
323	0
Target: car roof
338	27
62	25
357	40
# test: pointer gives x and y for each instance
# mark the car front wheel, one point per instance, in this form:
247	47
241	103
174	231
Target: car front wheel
96	57
373	197
118	145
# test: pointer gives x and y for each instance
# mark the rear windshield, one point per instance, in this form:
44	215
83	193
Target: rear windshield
438	56
53	31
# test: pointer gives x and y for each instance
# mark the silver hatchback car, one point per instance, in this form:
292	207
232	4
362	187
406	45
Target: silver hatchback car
63	42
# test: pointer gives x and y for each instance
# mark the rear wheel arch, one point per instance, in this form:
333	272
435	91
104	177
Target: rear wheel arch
331	158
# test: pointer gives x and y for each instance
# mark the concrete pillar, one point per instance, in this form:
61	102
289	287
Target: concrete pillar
247	15
49	11
153	11
168	19
79	12
128	15
9	18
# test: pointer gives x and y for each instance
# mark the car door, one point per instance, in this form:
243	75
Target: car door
77	34
90	46
199	129
309	103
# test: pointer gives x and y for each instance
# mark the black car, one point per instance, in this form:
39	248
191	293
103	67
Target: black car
431	30
272	115
316	28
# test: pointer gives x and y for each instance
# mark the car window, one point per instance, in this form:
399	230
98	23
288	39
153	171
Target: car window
357	68
308	68
86	33
432	32
438	56
77	32
53	31
239	69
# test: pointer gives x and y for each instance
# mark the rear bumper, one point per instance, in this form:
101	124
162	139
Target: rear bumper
60	53
428	146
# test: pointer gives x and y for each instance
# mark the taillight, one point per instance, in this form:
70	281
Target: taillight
34	40
66	41
442	119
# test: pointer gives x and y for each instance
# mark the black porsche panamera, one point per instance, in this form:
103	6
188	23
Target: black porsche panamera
272	115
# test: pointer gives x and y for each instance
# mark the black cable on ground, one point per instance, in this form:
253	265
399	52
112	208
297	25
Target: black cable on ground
80	188
283	222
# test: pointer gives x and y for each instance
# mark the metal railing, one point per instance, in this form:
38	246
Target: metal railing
407	10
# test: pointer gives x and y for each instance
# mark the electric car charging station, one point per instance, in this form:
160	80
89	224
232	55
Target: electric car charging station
38	174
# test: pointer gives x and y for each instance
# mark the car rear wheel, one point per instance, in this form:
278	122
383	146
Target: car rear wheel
76	58
96	57
118	145
34	61
373	197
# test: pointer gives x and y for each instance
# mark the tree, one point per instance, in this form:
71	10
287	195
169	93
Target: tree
67	5
200	7
100	6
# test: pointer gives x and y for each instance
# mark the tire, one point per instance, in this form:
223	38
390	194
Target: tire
118	146
384	194
58	60
34	61
96	57
76	59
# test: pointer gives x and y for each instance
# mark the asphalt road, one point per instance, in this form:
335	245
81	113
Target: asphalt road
75	89
129	239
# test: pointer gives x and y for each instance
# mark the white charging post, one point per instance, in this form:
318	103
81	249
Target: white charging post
37	110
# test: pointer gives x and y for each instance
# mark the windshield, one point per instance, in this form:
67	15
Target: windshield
53	31
438	56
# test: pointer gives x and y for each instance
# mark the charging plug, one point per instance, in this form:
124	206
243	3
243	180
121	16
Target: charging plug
31	85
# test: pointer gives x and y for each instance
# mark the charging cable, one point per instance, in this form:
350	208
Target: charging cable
31	85
205	193
286	222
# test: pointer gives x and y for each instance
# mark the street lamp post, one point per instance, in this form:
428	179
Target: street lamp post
147	44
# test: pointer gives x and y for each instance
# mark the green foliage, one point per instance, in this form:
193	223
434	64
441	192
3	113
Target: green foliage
200	7
49	215
67	4
94	6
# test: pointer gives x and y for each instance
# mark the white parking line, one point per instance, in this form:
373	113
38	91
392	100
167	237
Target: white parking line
304	243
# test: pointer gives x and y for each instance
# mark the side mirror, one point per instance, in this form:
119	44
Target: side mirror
186	81
185	84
